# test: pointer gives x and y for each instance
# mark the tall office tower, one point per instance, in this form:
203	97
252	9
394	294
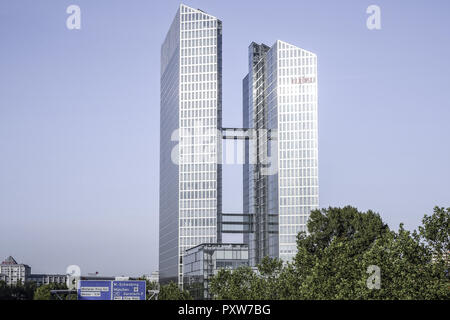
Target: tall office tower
190	146
281	171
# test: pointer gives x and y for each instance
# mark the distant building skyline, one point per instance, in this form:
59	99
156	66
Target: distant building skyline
13	273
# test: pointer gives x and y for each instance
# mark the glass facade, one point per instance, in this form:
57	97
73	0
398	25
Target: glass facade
281	154
201	263
191	117
281	179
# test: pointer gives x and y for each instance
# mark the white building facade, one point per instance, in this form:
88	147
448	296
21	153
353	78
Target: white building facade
281	177
191	118
13	272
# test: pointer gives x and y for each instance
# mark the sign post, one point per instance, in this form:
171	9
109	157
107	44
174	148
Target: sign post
94	290
111	290
129	290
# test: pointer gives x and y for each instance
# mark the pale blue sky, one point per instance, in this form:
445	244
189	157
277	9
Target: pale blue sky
79	117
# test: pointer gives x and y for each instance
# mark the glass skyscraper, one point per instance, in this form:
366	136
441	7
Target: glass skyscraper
281	171
190	141
280	101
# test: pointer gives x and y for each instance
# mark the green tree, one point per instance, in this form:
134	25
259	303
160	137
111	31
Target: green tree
245	284
334	258
18	291
407	269
171	291
5	291
44	291
236	284
435	232
337	256
25	291
327	264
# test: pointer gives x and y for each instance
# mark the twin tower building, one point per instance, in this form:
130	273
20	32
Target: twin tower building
279	135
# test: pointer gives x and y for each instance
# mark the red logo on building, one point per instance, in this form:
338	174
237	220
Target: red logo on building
303	80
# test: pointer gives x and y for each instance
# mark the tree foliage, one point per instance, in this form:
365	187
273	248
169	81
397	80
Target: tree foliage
17	292
245	284
435	231
334	257
171	291
44	291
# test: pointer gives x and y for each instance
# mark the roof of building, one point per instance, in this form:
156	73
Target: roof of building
9	260
43	275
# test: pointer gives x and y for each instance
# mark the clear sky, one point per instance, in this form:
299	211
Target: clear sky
79	117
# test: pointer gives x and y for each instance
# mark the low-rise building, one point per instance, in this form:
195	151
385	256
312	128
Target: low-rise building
14	272
43	279
202	262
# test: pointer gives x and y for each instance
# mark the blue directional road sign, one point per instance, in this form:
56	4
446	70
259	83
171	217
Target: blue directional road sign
128	290
94	290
